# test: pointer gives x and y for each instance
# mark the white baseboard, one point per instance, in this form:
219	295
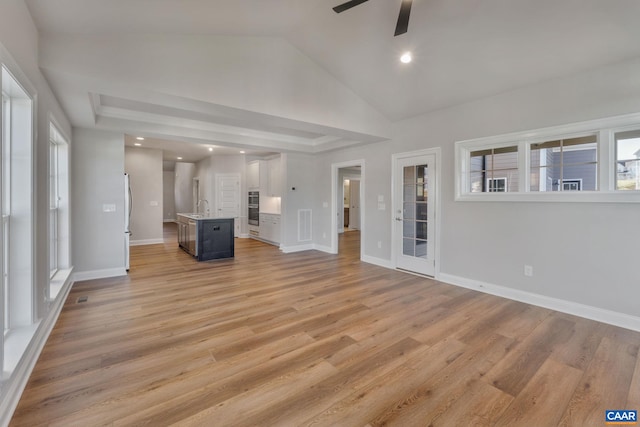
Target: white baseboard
323	248
146	242
297	248
243	236
589	312
386	263
169	220
12	389
99	274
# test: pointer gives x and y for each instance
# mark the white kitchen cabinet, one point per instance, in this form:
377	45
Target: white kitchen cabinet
275	178
270	228
257	175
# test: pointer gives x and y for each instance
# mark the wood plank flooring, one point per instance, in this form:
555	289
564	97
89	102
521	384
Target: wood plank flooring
269	339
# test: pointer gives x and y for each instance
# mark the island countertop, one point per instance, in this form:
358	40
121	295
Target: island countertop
199	216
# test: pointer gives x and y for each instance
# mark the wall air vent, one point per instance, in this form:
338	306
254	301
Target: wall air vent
304	225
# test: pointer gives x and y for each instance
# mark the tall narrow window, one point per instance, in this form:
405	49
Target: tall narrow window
565	164
6	191
53	204
628	160
59	261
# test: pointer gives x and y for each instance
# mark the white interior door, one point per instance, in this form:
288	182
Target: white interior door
228	198
414	214
354	206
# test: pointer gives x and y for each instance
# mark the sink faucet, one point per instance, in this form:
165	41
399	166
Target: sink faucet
198	206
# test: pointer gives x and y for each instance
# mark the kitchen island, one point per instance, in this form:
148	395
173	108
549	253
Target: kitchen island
206	237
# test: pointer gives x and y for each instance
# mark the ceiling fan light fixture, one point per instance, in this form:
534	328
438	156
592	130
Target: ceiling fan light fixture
406	58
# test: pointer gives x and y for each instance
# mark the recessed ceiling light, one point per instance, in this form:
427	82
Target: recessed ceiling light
242	152
179	158
406	58
139	138
137	144
210	148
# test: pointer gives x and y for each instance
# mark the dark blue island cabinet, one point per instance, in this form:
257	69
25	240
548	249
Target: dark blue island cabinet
206	238
215	239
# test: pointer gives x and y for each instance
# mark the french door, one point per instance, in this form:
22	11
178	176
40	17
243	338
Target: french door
414	213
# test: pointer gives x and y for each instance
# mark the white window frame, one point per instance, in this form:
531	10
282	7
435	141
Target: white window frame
572	181
614	178
604	129
4	211
489	186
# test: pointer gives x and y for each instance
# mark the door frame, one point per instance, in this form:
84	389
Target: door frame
335	182
351	178
395	199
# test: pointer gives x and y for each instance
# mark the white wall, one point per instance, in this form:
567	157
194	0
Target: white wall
582	252
19	42
98	180
144	166
168	196
299	171
183	191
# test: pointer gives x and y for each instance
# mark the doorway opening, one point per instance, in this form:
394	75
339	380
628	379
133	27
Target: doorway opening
347	190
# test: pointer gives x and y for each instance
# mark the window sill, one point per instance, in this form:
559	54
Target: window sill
558	197
15	344
58	281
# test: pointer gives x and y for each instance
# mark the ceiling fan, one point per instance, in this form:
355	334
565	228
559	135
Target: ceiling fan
403	18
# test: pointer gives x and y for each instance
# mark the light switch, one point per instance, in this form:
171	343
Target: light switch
108	207
325	204
381	206
153	203
380	198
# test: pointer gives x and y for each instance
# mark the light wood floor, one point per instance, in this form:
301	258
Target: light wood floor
314	339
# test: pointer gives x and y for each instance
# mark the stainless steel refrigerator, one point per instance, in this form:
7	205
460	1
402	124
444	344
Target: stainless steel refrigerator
127	219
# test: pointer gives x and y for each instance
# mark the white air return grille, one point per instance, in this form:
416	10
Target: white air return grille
304	225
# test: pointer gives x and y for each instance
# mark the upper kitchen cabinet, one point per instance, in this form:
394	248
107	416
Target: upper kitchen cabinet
257	175
274	189
265	176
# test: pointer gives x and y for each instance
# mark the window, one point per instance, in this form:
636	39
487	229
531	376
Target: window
492	168
628	160
53	203
5	190
496	185
17	204
59	261
594	161
571	184
564	160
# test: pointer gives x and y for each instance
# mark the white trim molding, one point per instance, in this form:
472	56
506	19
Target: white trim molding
12	389
380	262
146	242
99	274
589	312
335	170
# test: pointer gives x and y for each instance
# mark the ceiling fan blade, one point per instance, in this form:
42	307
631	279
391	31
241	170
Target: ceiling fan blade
403	19
348	5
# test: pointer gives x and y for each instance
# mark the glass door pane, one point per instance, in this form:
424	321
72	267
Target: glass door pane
414	219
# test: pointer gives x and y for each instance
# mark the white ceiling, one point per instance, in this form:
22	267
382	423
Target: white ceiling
291	75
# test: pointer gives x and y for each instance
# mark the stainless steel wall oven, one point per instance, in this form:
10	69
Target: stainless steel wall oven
254	208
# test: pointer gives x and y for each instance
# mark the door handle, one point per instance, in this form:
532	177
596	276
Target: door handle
398	219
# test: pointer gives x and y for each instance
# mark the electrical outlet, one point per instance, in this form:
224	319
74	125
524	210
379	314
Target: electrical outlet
528	271
379	244
324	235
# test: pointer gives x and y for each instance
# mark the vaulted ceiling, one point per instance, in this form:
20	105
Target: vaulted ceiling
292	75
